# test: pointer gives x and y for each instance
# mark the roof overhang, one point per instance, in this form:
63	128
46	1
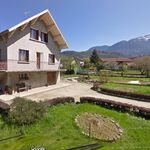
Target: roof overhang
50	23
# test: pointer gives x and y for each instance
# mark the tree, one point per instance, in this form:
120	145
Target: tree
124	69
143	64
99	66
94	57
87	63
66	62
74	66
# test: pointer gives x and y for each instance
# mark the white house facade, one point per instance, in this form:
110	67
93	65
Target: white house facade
30	52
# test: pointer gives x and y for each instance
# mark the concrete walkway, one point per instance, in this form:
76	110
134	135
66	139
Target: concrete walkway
78	90
72	89
8	98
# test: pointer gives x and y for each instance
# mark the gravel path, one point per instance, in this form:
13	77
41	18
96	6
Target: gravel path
78	90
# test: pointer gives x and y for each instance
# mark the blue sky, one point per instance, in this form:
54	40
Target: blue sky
85	23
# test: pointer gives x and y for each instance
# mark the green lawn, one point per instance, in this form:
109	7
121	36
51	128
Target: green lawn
126	79
58	130
126	87
113	79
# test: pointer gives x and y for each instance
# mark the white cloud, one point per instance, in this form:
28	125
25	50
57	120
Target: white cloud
26	12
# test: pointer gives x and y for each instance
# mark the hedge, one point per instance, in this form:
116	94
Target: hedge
140	97
60	100
123	107
3	105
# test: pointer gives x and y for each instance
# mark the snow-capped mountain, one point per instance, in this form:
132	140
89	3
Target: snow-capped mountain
146	37
133	47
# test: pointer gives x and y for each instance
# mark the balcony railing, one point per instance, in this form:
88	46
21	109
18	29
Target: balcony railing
15	65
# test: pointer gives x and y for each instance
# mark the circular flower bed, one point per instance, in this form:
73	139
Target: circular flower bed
98	127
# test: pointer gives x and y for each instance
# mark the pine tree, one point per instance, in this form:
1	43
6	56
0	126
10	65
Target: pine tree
94	57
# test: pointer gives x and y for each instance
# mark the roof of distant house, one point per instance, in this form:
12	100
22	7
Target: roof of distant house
79	59
116	59
47	18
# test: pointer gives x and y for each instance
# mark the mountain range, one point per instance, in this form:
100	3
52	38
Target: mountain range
134	47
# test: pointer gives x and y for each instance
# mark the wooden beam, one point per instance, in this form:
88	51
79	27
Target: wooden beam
50	27
55	37
23	27
41	17
62	46
11	34
34	21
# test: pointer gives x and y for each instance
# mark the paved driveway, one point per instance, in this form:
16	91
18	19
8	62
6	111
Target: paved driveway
78	90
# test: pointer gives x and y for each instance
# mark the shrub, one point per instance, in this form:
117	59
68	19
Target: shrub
60	100
24	112
140	97
69	71
104	75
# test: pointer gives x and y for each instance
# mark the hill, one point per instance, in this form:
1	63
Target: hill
87	54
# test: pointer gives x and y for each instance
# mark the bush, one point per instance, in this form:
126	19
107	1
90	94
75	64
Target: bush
104	75
60	100
140	97
24	112
70	71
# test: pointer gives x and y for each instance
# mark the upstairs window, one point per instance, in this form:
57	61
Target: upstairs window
44	37
23	55
51	59
34	34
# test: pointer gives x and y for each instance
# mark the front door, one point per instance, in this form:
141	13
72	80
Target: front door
51	78
38	60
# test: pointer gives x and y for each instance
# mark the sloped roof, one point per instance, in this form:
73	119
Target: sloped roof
49	22
116	59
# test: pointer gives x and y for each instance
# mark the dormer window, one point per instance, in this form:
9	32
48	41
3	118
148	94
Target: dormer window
34	34
44	37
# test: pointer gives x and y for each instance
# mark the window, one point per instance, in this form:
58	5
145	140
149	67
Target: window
23	76
34	34
44	37
23	55
51	59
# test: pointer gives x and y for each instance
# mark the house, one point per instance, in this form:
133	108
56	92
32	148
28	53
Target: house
79	61
30	52
118	60
116	63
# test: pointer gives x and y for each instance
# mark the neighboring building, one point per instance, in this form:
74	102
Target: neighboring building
30	52
118	60
79	61
116	63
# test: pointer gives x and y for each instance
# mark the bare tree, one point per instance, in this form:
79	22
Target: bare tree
143	64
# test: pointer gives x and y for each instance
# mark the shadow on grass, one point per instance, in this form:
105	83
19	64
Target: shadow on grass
12	137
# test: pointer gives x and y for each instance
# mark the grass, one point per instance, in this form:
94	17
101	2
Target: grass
113	79
58	130
127	79
140	89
